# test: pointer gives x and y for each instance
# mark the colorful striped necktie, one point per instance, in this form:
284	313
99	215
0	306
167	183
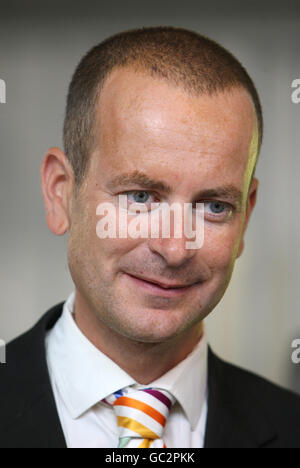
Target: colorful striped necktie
141	416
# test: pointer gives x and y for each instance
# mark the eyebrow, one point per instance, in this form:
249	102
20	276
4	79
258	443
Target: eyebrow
141	179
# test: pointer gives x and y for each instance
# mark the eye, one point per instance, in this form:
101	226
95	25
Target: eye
141	197
218	210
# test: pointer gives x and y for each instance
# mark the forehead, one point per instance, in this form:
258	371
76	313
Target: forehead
141	119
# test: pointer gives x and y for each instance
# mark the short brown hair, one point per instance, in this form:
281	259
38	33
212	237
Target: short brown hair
185	58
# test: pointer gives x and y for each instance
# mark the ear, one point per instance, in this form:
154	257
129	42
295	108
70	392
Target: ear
252	196
57	180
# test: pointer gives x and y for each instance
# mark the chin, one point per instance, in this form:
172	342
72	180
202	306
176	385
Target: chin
154	325
150	337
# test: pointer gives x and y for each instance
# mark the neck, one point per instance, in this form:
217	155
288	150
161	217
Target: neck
143	361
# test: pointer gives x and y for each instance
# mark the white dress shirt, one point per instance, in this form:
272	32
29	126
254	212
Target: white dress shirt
81	376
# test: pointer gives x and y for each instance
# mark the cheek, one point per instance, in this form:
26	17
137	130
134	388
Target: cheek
220	246
82	242
99	254
113	250
110	239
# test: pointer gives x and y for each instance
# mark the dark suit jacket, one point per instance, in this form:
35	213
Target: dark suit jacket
244	410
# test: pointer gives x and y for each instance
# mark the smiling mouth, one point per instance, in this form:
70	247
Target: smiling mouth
160	288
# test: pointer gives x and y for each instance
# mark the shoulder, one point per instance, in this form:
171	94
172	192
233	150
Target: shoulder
24	377
266	391
253	393
21	349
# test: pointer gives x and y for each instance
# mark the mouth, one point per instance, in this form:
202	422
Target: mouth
160	289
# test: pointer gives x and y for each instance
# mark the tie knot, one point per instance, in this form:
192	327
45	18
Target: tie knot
141	413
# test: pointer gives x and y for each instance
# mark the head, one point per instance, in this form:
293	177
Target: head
162	115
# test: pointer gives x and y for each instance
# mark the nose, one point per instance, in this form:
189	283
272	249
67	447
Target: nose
173	250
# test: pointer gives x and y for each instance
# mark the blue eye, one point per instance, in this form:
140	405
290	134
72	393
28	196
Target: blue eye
218	207
219	210
140	197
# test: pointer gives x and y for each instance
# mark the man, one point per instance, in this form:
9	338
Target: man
161	115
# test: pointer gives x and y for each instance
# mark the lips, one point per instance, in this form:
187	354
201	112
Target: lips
157	288
161	284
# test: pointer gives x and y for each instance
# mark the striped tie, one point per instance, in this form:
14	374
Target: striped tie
141	416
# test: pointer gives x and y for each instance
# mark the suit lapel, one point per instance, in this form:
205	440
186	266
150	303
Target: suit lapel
37	427
235	417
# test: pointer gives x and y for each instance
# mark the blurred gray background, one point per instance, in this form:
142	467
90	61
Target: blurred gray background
40	45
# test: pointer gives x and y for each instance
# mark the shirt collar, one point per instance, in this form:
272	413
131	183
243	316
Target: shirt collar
84	375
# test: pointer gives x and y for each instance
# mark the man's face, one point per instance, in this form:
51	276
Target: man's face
191	144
